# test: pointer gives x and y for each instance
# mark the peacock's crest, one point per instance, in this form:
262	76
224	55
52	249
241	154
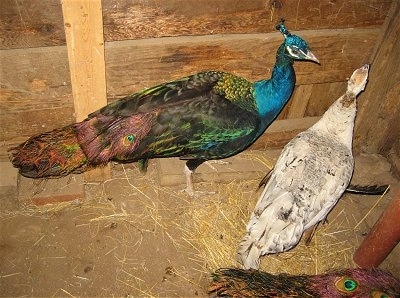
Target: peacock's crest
282	28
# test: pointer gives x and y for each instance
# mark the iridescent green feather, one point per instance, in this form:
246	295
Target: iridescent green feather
238	90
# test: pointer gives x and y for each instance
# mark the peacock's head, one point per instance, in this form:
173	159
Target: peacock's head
294	46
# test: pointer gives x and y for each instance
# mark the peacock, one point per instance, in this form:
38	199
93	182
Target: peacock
310	175
375	283
205	116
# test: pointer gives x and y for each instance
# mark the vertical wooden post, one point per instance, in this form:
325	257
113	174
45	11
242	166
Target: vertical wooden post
377	127
83	22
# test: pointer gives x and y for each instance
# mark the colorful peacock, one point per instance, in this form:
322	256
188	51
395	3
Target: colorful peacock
375	283
205	116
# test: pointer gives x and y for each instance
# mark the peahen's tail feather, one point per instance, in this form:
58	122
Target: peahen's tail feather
368	189
249	253
51	154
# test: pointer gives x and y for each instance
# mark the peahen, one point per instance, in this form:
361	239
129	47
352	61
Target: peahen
310	175
375	283
205	116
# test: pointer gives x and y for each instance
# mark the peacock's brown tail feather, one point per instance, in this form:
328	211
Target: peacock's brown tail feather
233	282
51	154
352	282
81	146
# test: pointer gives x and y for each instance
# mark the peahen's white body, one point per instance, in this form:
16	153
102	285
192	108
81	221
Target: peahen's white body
308	179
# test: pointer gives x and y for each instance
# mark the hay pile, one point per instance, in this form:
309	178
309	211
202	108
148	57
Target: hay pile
197	236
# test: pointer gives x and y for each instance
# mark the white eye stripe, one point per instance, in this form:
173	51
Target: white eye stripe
294	51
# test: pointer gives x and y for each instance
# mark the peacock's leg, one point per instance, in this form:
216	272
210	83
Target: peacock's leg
189	169
189	181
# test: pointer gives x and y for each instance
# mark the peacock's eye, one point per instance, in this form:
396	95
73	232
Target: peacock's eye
293	50
128	140
346	284
379	294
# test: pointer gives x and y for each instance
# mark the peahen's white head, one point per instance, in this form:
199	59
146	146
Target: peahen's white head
358	80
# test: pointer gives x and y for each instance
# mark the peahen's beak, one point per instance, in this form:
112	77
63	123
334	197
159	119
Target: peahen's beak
310	56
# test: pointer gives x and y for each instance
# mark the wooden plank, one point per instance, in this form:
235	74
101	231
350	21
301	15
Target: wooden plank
50	191
83	29
84	34
34	78
312	100
280	132
323	95
137	19
170	170
377	127
16	125
133	65
299	101
8	175
297	105
31	23
38	23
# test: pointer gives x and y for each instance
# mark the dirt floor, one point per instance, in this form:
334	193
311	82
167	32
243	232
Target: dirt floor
134	236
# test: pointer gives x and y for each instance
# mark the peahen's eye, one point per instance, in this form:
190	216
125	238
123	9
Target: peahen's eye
379	294
346	284
128	140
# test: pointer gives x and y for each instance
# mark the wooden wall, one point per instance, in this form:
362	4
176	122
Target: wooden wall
149	42
378	123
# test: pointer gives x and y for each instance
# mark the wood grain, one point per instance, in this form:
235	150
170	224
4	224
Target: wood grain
31	23
85	45
84	34
135	19
38	23
280	132
377	127
133	65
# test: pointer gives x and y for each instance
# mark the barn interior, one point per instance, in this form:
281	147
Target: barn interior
115	231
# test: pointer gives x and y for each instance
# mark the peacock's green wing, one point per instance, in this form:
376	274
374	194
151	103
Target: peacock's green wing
205	127
236	89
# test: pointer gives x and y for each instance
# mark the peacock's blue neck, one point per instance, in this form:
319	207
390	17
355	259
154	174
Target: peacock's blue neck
272	95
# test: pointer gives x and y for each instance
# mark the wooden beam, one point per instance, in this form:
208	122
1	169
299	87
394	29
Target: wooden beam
84	35
280	132
377	126
27	23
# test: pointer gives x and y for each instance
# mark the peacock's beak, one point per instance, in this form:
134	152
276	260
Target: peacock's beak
310	56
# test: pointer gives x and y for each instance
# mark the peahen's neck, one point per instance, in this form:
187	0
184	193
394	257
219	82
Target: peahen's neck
272	95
